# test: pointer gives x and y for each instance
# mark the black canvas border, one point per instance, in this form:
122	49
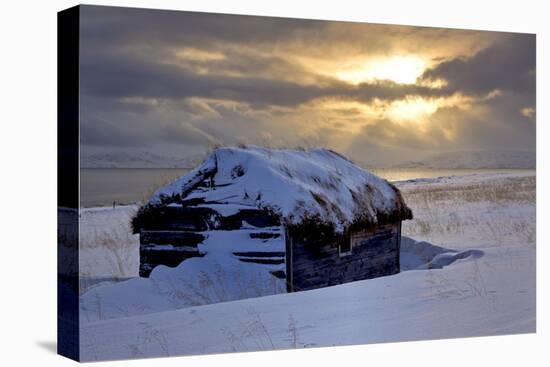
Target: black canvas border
68	328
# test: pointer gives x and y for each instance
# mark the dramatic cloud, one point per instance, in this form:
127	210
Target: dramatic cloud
159	80
509	64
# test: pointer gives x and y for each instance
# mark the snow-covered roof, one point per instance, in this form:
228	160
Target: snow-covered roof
297	185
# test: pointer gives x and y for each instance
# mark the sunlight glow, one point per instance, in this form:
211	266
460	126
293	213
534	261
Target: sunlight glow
528	112
195	54
399	69
411	109
418	109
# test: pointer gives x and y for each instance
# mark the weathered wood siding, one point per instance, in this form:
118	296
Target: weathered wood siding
171	234
168	248
375	253
196	218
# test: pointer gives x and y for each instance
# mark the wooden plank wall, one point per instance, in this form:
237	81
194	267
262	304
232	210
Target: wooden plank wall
375	253
168	248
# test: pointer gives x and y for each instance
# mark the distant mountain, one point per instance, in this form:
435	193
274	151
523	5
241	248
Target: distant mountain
137	160
476	159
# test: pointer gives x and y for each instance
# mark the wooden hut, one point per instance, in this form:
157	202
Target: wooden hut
336	221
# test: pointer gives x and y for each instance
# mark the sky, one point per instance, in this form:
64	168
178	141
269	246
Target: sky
180	83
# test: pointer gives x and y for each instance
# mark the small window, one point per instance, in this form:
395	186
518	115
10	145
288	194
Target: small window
345	248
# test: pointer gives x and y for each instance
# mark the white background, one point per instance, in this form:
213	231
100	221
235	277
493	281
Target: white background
28	182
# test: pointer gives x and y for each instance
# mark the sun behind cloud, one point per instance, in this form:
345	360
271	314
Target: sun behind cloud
418	109
176	83
402	69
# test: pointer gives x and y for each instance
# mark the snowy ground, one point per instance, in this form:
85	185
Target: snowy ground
484	286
